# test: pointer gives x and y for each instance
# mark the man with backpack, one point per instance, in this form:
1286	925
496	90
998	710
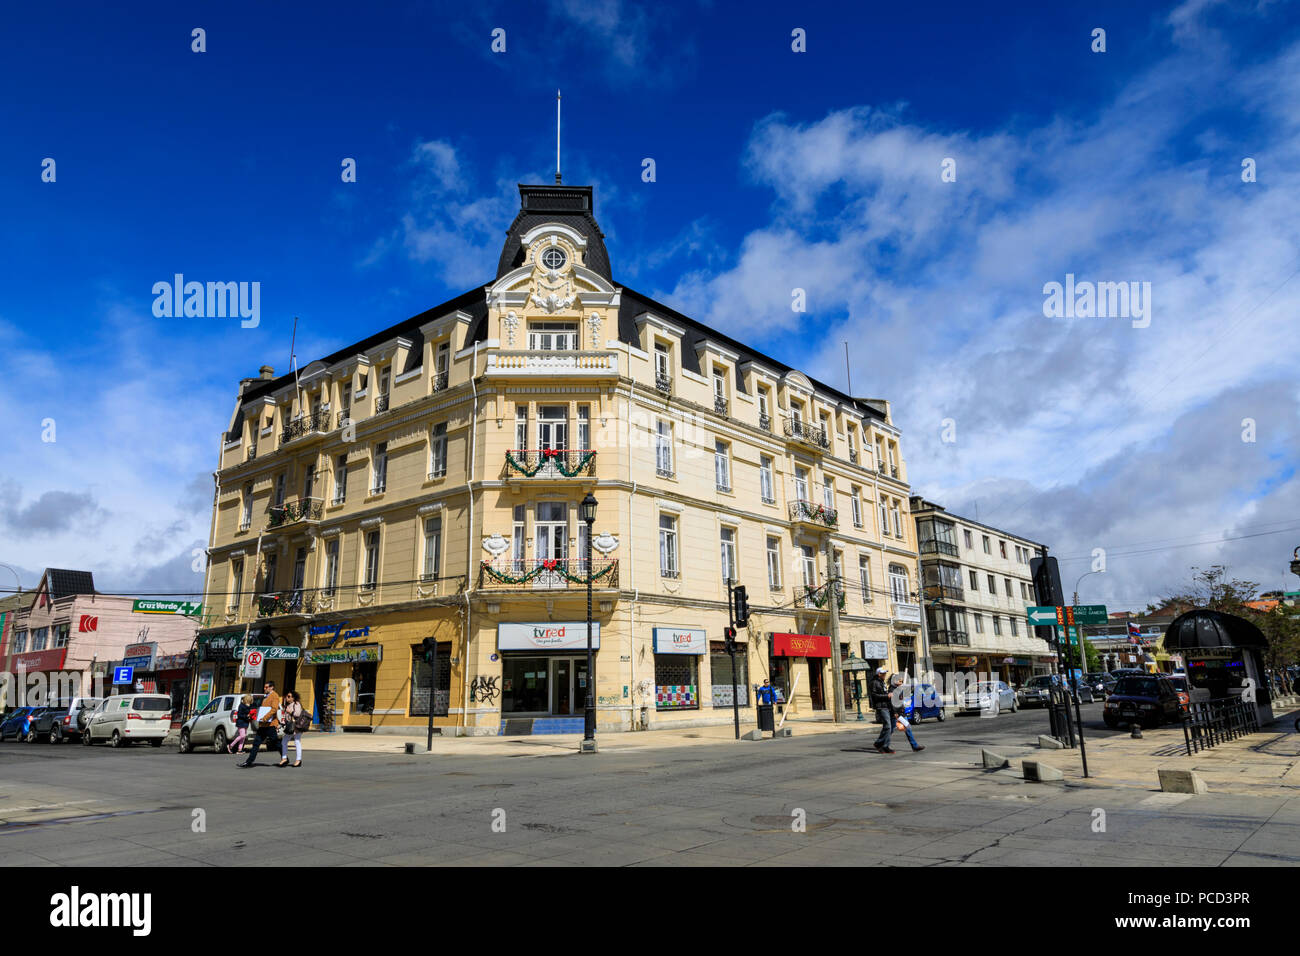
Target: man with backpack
266	726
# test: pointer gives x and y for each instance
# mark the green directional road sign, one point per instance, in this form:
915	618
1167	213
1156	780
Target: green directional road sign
1090	615
1041	615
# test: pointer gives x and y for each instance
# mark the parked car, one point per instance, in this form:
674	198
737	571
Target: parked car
125	718
989	697
62	721
922	701
1101	684
1149	700
15	722
1037	691
1183	688
214	725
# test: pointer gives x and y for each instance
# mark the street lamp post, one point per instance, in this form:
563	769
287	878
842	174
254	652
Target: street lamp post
587	513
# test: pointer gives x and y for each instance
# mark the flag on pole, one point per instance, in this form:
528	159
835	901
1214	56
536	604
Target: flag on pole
1134	633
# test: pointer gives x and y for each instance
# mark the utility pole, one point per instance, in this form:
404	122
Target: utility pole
833	599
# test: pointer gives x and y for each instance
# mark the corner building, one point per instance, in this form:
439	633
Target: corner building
425	482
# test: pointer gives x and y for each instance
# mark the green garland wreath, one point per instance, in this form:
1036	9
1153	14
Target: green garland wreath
818	595
549	454
552	566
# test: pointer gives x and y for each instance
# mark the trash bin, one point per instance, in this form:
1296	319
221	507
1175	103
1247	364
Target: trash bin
765	719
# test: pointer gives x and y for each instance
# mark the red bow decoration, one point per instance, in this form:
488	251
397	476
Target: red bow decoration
550	565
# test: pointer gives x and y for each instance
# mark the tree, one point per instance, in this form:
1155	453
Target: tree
1211	588
1071	656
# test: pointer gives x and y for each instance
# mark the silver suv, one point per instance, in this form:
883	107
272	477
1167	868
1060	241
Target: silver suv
214	725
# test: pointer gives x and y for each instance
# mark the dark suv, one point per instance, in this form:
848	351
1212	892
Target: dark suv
1148	700
62	721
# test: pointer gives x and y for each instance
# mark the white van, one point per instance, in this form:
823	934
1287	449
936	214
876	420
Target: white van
124	718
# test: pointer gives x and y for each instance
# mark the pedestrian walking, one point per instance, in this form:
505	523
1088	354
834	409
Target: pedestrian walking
880	703
767	693
243	716
294	723
266	726
900	712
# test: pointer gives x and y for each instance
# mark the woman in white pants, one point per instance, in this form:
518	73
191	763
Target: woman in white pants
289	725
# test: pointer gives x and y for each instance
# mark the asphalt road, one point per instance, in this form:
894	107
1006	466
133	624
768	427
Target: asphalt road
732	803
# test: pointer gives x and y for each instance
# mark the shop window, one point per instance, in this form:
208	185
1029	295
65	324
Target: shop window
365	676
524	685
677	682
419	704
720	665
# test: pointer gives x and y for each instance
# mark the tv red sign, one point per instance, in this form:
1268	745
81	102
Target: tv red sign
88	623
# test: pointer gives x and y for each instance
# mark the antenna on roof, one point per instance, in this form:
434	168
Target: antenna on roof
847	373
557	137
293	363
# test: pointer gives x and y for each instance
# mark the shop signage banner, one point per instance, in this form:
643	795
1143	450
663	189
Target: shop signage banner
875	650
272	653
167	607
801	645
140	656
547	636
171	662
362	654
339	632
681	640
48	660
204	693
225	645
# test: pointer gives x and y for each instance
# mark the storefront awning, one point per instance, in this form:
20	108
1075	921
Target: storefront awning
224	645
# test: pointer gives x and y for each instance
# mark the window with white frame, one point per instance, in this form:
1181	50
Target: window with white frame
722	465
997	625
774	562
379	469
519	538
728	539
521	427
852	434
828	493
384	377
855	505
764	409
974	581
309	481
432	546
667	545
279	489
61	632
864	577
966	533
584	427
440	362
993	585
808	560
1015	627
236	581
766	486
1006	584
1002	548
340	479
553	336
664	448
246	518
987	550
719	386
801	483
979	623
898	518
331	565
662	362
898	591
372	561
438	451
884	516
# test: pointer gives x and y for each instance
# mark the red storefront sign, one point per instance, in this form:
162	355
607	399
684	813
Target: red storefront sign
801	645
31	661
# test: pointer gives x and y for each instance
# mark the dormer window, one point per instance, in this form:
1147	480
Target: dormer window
553	336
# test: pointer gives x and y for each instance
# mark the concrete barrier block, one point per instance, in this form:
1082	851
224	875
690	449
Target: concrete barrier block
1181	781
1050	743
784	732
994	761
752	735
1038	772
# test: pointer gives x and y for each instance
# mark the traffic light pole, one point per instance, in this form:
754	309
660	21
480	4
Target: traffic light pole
731	652
1074	674
833	598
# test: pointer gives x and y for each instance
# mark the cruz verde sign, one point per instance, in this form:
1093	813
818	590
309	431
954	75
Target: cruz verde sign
188	608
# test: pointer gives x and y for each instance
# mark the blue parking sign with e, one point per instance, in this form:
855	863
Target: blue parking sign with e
123	675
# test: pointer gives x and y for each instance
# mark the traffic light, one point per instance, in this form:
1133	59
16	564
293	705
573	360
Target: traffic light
742	606
430	650
729	633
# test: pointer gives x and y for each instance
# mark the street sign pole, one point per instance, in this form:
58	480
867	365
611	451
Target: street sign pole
1074	673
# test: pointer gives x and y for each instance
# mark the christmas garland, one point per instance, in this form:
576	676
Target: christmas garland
558	455
294	511
819	513
553	566
818	596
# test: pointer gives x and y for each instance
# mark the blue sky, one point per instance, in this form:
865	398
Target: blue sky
775	170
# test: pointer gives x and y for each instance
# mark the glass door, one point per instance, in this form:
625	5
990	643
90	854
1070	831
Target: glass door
552	434
562	681
552	543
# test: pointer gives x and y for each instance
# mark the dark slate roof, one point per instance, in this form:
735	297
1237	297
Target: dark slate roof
568	205
65	583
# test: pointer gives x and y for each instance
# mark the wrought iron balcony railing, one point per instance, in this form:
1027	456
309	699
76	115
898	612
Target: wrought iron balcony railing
853	457
935	546
548	574
950	638
381	404
664	383
298	601
765	422
811	511
719	404
550	463
343	416
305	425
816	596
439	381
807	432
301	509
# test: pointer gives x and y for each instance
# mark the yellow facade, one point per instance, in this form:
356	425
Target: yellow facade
488	421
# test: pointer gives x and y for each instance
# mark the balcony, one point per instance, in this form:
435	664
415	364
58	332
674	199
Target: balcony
551	364
765	422
316	423
343	416
809	512
815	597
934	546
664	384
381	404
853	457
719	404
295	603
949	592
303	510
439	382
950	638
807	433
555	574
549	464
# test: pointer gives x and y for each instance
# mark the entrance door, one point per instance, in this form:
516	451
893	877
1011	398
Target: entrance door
552	433
815	688
563	684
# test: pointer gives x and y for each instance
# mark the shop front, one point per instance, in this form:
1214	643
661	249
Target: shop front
677	654
332	696
544	668
815	650
1223	655
216	661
